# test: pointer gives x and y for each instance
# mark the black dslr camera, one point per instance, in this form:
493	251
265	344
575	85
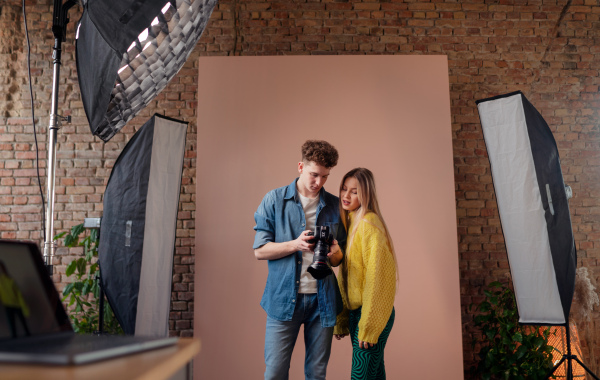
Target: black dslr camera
322	237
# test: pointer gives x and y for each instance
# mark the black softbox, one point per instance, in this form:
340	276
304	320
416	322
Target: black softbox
533	207
137	232
128	50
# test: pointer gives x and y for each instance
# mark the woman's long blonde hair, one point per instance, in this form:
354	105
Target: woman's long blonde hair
367	197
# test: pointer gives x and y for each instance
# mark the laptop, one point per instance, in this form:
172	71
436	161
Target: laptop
34	326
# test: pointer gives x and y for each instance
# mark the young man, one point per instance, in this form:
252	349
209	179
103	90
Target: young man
292	296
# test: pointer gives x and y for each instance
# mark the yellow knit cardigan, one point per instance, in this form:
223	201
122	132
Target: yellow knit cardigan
371	279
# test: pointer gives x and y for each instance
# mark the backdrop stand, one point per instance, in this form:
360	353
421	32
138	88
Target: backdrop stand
59	29
569	358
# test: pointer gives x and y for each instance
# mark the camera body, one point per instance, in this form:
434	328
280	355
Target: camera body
323	239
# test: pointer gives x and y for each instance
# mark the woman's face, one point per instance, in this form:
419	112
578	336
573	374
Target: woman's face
349	194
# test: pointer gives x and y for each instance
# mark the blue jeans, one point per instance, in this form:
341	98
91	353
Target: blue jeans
280	339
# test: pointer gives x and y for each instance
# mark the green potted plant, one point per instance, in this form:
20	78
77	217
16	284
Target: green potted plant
509	350
83	293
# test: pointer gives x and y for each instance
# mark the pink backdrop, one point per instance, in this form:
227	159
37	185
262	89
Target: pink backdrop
390	114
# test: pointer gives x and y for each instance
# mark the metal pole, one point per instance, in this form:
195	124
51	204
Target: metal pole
101	305
569	356
59	29
53	127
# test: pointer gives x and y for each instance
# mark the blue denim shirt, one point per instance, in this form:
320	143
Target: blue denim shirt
280	218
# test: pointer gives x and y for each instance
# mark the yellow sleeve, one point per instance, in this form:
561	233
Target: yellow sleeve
380	282
341	325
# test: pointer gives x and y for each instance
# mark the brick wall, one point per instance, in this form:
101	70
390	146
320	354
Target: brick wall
548	49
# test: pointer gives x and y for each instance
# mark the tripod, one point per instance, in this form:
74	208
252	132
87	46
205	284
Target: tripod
569	358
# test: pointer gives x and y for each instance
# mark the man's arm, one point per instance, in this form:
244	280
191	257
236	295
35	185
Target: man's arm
274	251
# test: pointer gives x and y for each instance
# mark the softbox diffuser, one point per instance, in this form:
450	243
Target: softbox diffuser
128	50
137	232
533	207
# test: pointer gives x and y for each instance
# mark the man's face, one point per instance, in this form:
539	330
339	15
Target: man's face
312	178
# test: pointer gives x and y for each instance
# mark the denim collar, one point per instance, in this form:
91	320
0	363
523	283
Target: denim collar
292	192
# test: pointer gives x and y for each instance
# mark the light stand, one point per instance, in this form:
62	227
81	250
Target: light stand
569	358
59	29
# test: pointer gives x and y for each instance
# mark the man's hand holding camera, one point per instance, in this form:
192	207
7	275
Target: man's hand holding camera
304	242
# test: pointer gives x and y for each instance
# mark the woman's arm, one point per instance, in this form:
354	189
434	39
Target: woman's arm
380	281
335	254
341	326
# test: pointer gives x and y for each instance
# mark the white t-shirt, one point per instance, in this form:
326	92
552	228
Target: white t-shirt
308	284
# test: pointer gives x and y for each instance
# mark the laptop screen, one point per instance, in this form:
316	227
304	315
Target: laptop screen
29	303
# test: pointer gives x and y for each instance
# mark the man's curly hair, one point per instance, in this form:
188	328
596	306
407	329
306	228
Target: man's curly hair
320	152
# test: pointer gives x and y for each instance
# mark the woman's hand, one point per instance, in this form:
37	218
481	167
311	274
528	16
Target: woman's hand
335	254
339	336
364	345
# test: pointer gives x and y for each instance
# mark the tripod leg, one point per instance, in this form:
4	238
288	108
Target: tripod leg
570	368
555	367
586	368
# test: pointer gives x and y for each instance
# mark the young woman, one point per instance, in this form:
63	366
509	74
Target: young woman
367	278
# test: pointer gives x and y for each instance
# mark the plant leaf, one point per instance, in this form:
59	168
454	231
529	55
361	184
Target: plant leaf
70	241
518	337
484	306
71	268
81	265
521	351
67	290
77	230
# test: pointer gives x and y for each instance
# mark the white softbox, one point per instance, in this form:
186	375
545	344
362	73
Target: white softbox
533	207
138	230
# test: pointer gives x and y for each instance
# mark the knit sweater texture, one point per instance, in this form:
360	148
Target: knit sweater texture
371	278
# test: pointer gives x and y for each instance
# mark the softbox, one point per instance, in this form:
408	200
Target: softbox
533	207
137	232
128	50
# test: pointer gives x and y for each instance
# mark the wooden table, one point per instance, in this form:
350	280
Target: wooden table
157	364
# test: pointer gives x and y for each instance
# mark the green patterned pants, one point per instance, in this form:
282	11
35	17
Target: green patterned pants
367	364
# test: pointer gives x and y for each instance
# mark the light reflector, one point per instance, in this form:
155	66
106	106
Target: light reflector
127	52
137	233
533	207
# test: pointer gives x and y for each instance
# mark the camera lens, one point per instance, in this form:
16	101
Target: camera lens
319	268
